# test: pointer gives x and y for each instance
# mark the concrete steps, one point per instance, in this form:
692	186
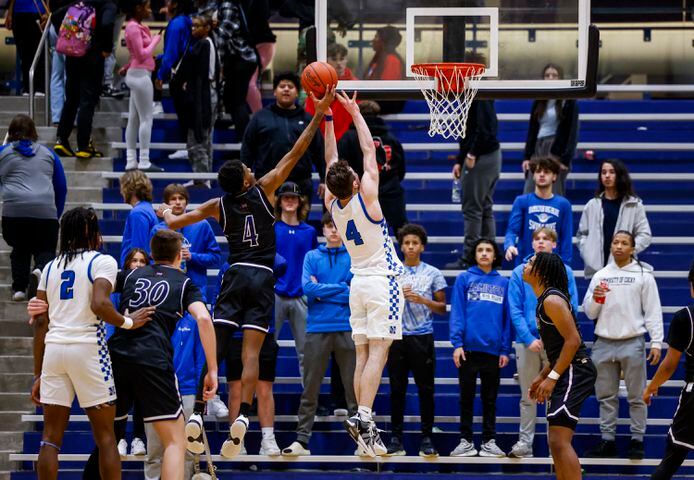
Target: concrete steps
15	363
13	346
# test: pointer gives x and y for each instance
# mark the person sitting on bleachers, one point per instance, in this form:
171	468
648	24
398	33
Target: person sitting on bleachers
424	288
530	354
542	208
325	279
480	332
623	301
615	207
136	189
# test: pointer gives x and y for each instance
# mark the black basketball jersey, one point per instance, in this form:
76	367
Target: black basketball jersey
249	225
681	337
168	289
549	334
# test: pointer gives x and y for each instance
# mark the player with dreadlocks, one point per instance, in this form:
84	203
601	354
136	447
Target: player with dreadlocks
70	353
570	376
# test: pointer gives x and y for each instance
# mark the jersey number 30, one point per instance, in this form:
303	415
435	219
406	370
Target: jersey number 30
353	234
249	232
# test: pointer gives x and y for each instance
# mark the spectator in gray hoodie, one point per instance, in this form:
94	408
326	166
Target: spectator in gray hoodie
34	190
615	207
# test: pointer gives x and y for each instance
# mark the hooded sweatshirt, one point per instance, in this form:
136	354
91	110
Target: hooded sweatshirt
293	243
138	226
479	313
328	298
32	180
632	306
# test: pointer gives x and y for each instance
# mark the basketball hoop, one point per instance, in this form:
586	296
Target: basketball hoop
450	98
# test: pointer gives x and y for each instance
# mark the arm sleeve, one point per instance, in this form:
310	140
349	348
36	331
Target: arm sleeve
140	231
573	291
680	334
533	129
467	143
439	282
516	306
104	266
590	308
566	234
457	318
582	233
641	230
59	184
653	312
514	223
211	256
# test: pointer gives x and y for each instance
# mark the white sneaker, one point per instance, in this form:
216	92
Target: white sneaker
243	450
268	446
157	108
295	450
521	450
375	441
179	155
464	449
232	445
217	408
195	443
490	449
122	448
137	447
19	296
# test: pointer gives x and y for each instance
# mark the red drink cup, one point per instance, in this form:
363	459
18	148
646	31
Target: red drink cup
604	286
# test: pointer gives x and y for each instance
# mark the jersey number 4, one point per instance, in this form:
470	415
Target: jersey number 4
353	234
67	284
249	232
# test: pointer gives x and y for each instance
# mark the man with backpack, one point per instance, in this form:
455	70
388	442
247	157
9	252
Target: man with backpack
85	36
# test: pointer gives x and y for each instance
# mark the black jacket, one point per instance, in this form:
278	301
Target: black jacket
198	94
564	145
389	154
480	131
106	11
270	135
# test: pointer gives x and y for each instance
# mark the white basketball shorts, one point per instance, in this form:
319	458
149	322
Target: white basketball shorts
376	304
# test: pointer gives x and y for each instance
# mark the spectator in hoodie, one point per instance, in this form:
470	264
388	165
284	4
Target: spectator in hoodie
391	163
424	288
542	208
615	207
273	131
530	354
623	300
480	332
34	190
479	165
553	131
136	190
325	279
295	238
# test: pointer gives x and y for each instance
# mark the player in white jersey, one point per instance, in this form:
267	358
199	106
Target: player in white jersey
70	352
376	299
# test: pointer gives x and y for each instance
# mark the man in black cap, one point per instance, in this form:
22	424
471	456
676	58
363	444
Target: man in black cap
294	239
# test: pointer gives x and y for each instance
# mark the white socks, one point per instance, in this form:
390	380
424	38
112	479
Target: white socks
130	159
268	433
364	413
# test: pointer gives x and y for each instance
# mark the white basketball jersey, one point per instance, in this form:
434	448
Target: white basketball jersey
367	241
69	292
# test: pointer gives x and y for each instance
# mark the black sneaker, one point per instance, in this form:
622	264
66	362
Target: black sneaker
62	148
395	448
427	449
323	411
604	449
34	279
636	451
459	264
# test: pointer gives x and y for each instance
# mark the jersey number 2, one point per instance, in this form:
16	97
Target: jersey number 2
353	234
249	233
68	281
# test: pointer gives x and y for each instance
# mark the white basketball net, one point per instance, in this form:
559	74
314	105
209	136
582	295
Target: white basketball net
450	97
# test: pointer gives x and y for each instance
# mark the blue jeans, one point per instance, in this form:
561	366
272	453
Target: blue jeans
57	78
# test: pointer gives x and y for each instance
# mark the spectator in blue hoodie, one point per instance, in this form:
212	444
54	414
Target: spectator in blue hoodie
530	353
136	190
200	248
541	208
325	279
294	239
480	332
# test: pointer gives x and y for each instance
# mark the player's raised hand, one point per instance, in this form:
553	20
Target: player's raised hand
141	316
210	388
323	105
350	104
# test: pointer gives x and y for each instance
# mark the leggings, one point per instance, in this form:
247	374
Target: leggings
672	460
140	113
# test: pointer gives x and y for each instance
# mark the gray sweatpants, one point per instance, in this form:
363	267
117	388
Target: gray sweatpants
529	365
317	354
478	189
611	357
155	449
295	310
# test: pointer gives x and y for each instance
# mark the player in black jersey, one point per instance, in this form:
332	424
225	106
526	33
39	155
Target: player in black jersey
247	293
681	434
570	376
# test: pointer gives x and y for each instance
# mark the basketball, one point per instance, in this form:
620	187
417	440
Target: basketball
317	76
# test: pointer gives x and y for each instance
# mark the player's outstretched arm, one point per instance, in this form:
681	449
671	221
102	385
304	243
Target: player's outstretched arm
330	153
209	344
272	180
209	209
103	308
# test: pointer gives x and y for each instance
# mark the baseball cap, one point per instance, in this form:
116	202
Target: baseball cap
289	188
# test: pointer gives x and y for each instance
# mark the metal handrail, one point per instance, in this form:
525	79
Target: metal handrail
43	44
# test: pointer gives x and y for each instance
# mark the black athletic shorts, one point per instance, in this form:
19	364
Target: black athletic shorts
153	389
573	387
267	360
246	298
682	428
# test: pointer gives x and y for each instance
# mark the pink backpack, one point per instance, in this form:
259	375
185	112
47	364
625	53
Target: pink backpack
76	31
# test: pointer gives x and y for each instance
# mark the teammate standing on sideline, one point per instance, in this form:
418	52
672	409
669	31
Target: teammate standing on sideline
570	376
247	293
376	299
70	354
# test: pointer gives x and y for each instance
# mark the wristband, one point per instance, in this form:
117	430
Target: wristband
164	212
127	323
553	375
328	118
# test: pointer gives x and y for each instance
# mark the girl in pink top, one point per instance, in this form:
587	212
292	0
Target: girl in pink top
141	45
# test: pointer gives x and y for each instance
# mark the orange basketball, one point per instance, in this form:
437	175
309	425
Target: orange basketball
317	76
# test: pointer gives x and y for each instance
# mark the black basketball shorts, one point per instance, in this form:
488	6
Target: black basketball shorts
574	386
246	298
